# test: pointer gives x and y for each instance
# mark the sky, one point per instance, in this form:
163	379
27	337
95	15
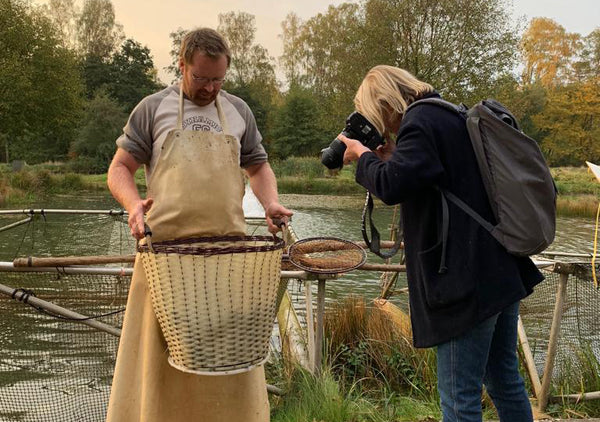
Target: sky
151	21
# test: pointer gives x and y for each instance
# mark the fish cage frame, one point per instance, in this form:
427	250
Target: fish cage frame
303	345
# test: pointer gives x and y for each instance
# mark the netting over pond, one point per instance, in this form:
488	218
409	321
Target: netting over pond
578	347
52	369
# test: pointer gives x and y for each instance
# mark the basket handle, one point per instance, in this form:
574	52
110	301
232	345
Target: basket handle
148	236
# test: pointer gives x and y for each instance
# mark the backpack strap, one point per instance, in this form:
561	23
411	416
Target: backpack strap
374	244
458	109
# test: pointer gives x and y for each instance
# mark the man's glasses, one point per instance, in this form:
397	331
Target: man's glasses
202	81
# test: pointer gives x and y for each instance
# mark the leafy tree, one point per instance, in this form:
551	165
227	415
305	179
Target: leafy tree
333	61
176	37
239	29
127	76
98	33
104	119
296	129
291	59
40	88
570	124
462	47
133	75
251	75
587	65
96	74
548	51
64	15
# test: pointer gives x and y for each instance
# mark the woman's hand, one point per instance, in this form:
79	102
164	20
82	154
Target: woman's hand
385	151
354	149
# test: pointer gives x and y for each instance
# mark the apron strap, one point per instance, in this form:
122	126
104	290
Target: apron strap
220	113
180	113
222	116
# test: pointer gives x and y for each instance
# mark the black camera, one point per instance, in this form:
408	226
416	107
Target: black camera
357	127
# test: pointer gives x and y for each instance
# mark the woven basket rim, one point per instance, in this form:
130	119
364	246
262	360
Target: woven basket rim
184	245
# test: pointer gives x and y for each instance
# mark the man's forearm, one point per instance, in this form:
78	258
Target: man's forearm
121	184
264	185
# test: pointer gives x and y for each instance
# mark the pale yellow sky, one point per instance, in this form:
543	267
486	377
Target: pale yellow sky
151	21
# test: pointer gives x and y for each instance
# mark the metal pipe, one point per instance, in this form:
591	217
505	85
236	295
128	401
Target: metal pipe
42	211
51	307
9	267
128	271
18	223
567	254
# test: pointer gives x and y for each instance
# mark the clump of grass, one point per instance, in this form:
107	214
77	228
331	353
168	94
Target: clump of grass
577	206
322	398
580	374
575	181
365	344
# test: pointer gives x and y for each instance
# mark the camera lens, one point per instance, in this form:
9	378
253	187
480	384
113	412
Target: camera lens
332	157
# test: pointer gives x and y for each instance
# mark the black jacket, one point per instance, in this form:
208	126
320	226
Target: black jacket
433	149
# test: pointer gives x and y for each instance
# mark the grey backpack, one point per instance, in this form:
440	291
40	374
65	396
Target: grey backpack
519	186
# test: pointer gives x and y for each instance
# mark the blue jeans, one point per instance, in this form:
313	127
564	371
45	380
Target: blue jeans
484	355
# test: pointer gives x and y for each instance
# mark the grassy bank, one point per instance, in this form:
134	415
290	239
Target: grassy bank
371	373
579	192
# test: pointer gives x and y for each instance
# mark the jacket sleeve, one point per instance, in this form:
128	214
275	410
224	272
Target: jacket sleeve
414	165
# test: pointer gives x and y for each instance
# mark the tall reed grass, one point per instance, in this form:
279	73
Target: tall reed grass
365	344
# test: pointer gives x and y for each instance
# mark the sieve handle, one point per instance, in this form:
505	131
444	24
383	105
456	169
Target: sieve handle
148	234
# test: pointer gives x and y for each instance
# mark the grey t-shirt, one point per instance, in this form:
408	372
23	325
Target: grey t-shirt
156	115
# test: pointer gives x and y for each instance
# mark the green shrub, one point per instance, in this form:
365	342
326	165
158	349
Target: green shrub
308	167
88	165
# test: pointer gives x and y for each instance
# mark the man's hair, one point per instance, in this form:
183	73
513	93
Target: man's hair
205	40
387	89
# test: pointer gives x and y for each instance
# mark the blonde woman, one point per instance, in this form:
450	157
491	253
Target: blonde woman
464	290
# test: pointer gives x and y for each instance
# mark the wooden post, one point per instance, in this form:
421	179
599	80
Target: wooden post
292	339
529	361
319	330
310	326
553	341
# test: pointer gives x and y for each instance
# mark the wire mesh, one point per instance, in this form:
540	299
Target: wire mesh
52	369
579	335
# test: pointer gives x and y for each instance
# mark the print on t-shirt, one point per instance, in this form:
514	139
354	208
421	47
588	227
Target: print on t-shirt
202	123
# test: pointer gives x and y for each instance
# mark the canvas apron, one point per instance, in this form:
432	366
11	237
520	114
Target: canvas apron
197	188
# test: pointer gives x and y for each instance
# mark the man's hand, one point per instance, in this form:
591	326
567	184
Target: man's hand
136	217
278	212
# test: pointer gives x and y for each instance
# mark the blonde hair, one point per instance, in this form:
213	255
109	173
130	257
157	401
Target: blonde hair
387	91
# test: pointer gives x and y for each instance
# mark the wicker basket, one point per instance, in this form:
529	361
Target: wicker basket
215	300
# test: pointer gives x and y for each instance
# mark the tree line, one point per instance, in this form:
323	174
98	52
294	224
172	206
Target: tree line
69	77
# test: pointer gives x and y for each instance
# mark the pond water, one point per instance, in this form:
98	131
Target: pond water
313	216
60	235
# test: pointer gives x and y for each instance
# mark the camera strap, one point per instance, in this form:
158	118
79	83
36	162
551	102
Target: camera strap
374	244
